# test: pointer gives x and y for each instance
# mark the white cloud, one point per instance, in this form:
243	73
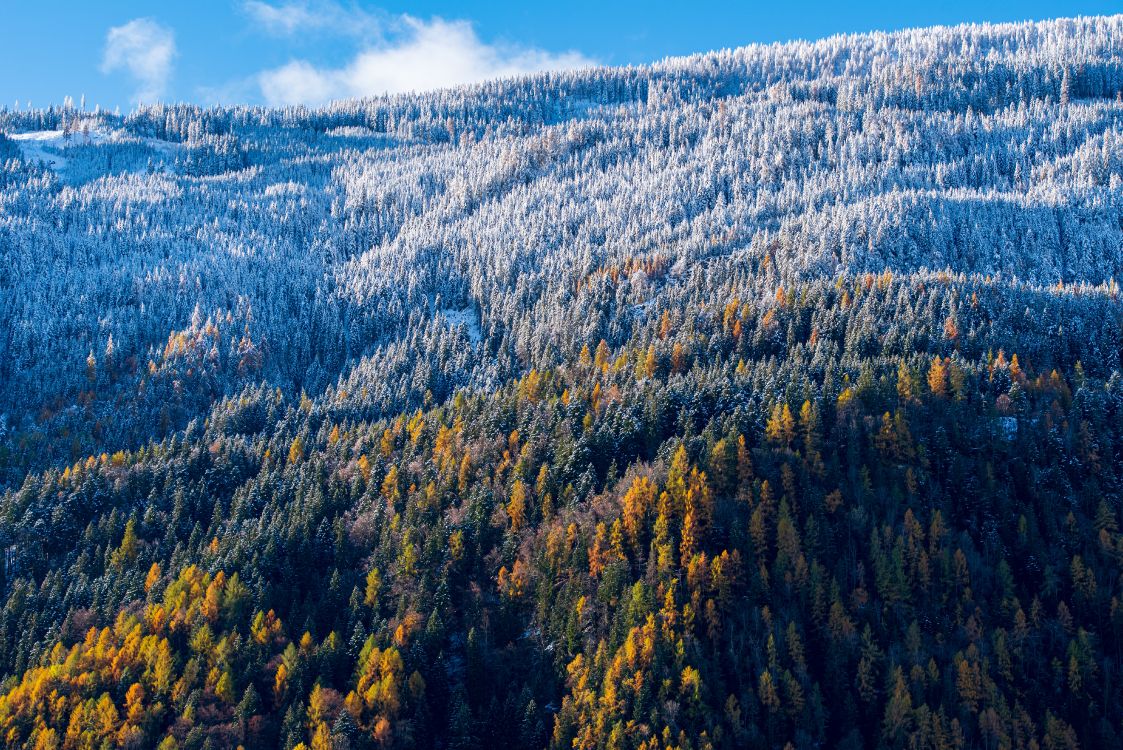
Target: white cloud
144	49
299	83
294	16
426	55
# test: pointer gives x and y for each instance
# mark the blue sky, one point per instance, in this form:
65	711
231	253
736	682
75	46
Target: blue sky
119	52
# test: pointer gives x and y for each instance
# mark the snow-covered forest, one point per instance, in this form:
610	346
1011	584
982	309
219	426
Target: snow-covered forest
762	396
173	255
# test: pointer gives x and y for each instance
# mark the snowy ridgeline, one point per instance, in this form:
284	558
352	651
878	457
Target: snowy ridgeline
304	248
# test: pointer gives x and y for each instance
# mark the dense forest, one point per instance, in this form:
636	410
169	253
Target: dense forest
765	398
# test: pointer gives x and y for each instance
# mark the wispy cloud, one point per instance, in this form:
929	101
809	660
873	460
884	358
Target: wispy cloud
292	16
417	55
144	49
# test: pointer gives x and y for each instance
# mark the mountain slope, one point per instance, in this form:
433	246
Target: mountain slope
759	397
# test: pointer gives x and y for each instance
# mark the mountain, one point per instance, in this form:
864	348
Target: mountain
761	398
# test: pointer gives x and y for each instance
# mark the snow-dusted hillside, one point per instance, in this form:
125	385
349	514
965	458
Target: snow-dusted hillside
177	254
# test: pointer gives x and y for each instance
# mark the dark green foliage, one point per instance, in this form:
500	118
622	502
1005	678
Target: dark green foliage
921	549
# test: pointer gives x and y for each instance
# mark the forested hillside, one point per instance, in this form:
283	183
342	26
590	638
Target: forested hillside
761	398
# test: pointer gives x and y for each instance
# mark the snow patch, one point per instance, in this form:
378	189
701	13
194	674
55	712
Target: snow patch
46	145
39	146
38	135
353	131
284	188
465	317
